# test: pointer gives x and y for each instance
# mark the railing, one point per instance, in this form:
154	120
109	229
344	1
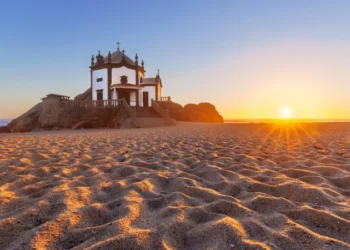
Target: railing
100	104
91	104
133	103
162	112
131	112
165	99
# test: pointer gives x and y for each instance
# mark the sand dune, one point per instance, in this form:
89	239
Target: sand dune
194	186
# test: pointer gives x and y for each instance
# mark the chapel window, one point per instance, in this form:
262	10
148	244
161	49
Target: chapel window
99	79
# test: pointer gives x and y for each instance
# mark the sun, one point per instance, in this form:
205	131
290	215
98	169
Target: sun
286	113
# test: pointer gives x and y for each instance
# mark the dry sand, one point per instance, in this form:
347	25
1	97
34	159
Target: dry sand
250	186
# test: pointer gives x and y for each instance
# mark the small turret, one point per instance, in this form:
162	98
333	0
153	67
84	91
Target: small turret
109	57
123	57
143	65
136	59
157	76
92	60
99	58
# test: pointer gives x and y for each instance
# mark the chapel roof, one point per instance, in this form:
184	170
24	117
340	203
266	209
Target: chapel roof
149	80
117	57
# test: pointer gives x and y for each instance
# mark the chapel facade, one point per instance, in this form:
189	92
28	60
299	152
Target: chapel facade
116	76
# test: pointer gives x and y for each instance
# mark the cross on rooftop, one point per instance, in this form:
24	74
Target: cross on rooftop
118	44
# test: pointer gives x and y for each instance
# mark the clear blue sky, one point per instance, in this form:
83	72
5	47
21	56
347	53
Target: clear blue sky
249	58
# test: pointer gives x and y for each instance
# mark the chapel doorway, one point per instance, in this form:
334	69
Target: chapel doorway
99	95
145	99
123	93
99	98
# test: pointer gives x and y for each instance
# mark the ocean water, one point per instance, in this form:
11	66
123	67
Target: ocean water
278	120
4	122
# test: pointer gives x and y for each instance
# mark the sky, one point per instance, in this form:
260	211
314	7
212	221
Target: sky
251	59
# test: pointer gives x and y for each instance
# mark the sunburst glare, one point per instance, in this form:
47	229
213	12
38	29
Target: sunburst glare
286	113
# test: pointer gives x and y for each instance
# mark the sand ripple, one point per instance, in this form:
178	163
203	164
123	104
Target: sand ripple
252	186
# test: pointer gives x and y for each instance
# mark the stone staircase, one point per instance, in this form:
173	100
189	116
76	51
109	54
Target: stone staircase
145	112
147	117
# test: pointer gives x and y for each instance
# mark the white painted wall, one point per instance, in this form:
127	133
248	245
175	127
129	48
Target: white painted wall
99	85
114	94
123	71
151	94
159	91
141	75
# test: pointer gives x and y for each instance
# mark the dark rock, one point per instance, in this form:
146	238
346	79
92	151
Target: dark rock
5	129
203	112
82	124
37	130
49	115
23	130
28	121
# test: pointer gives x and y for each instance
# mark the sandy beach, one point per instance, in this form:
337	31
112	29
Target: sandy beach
194	186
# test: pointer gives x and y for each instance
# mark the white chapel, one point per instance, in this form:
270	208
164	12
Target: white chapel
116	76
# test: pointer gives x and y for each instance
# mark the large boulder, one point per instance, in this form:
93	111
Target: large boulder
28	121
176	111
203	112
46	115
50	113
5	129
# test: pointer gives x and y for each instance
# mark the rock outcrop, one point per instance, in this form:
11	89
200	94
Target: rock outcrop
203	112
49	115
28	121
77	118
5	129
50	112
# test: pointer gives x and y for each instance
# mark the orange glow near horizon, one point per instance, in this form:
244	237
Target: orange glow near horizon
273	111
293	74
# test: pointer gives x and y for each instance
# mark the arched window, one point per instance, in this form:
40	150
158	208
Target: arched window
141	79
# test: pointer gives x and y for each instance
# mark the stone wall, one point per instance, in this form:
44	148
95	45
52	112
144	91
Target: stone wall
93	117
50	112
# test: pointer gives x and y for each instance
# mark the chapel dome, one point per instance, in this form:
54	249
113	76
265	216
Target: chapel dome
117	57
